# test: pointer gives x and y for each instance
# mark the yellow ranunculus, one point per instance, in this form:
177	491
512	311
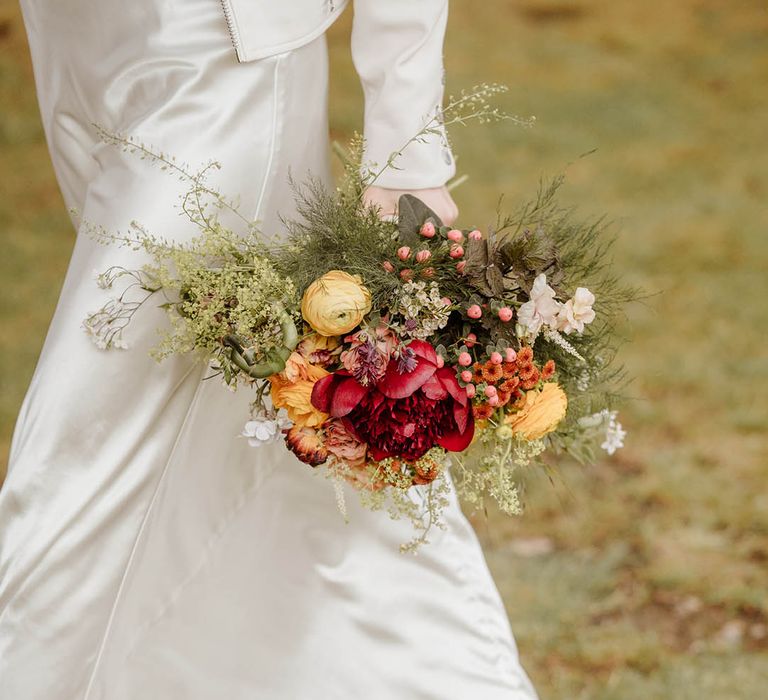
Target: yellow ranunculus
335	303
294	394
541	412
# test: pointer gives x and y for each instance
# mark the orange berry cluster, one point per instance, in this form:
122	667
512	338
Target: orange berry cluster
510	379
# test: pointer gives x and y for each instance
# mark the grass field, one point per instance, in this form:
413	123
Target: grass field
646	576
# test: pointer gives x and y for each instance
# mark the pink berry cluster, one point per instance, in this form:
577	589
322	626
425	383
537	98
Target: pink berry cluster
468	376
475	312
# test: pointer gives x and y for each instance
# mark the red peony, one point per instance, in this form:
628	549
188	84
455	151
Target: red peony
405	413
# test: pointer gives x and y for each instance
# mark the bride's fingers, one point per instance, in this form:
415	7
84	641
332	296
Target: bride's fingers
438	199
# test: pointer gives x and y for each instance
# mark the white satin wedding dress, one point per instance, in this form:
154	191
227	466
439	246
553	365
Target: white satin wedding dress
146	551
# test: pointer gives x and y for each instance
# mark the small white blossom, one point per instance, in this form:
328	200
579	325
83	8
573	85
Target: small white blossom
614	433
262	430
422	308
576	312
102	280
554	337
541	310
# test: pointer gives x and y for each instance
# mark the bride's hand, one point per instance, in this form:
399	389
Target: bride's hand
438	199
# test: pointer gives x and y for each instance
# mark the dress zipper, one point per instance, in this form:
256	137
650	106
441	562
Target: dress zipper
231	26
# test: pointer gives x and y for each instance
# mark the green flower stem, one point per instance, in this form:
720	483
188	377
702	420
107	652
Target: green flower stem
275	360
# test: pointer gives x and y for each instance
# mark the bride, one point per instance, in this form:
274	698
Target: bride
146	551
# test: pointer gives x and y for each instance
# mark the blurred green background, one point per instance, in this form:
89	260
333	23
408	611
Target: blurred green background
646	576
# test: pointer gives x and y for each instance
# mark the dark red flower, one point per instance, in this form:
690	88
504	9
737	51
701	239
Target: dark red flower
405	413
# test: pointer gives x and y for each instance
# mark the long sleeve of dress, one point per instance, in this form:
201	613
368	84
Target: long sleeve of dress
397	49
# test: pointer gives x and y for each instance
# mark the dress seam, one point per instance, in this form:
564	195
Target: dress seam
274	139
134	547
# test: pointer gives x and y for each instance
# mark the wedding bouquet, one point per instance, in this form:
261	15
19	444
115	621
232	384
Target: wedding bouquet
383	351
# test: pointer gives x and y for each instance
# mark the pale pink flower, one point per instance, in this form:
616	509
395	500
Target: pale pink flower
542	309
576	312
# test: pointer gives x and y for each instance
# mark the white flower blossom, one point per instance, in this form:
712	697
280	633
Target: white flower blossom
604	424
576	312
541	310
614	433
262	430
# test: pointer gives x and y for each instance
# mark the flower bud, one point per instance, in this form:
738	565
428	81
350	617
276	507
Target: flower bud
490	390
440	362
470	389
388	266
505	314
474	311
510	355
465	359
455	235
428	272
456	251
475	235
466	376
470	340
404	252
427	230
406	274
423	256
493	400
496	358
460	266
446	301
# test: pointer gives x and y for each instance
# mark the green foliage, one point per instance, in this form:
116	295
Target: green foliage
334	231
543	236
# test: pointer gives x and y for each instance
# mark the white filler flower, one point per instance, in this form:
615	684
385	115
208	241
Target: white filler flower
614	433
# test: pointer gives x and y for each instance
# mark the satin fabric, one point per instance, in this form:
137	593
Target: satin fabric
146	551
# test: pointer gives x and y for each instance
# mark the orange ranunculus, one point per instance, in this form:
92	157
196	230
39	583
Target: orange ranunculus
541	412
292	390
